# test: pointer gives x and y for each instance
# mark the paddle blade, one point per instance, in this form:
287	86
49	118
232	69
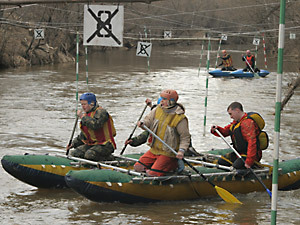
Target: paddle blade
269	192
256	75
226	196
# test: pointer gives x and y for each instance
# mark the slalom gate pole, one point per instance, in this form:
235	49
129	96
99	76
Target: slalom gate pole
148	58
86	67
265	54
77	68
201	55
277	113
218	52
206	89
255	56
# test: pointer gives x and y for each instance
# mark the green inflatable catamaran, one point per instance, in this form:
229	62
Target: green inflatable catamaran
47	171
106	185
116	181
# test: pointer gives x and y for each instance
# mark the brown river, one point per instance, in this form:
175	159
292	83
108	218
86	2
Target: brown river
38	113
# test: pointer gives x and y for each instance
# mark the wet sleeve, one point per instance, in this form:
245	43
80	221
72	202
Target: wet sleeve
184	134
101	116
225	131
249	132
140	139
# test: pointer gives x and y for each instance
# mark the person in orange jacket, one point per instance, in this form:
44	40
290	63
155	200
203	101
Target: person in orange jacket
244	132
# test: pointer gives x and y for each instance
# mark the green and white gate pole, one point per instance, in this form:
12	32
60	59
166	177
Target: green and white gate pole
77	68
277	113
201	54
86	68
206	89
255	56
148	58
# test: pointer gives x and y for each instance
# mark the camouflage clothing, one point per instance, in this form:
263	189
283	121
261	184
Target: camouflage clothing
97	152
94	152
140	139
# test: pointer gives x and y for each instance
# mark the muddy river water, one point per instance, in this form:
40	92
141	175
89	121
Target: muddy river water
37	116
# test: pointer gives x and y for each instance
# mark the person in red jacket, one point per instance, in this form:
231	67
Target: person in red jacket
244	132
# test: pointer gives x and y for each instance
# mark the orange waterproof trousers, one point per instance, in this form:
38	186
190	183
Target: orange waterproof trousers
157	162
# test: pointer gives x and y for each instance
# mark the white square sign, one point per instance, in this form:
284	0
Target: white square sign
103	25
39	34
292	36
143	49
256	41
224	37
167	34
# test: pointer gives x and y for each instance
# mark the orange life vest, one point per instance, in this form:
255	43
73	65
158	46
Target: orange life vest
249	60
227	62
102	135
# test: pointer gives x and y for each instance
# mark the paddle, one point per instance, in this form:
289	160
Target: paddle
102	165
238	155
130	136
70	142
255	74
224	194
123	170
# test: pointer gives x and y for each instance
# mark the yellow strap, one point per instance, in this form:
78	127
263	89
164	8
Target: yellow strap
227	160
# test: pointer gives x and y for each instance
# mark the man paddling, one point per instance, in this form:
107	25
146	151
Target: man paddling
244	132
144	136
227	62
250	62
168	121
96	139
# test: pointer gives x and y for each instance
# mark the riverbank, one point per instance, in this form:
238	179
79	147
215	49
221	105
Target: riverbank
61	22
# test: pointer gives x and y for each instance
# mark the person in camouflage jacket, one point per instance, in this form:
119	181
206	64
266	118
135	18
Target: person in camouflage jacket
96	139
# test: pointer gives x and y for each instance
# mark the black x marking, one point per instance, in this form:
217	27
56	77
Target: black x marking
143	49
39	33
106	25
167	34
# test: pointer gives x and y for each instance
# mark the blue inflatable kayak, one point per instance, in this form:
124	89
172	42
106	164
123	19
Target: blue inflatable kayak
237	73
240	73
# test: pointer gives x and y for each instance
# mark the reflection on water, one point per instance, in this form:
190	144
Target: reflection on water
37	116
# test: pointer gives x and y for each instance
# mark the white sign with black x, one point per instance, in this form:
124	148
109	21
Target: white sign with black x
256	41
103	25
167	34
39	34
143	49
224	37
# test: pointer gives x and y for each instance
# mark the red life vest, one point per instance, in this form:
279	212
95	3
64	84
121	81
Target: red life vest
102	135
249	60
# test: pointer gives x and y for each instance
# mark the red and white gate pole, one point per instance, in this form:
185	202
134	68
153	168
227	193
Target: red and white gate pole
265	54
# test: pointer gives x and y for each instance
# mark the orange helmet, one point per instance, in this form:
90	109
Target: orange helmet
169	94
224	51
